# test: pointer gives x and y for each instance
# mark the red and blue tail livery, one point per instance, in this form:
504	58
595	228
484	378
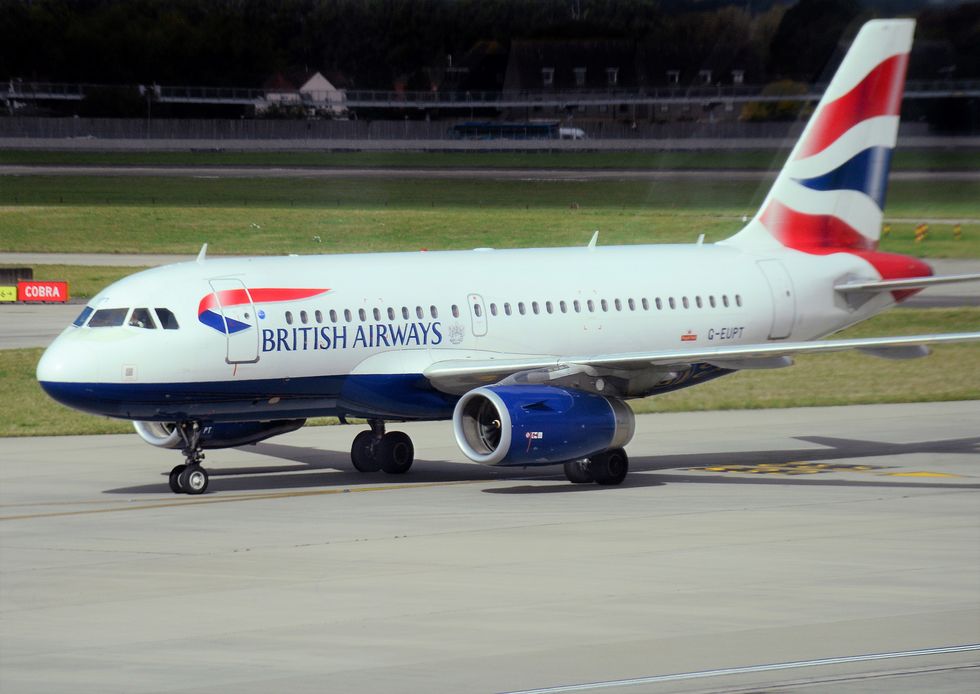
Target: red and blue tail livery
212	308
830	195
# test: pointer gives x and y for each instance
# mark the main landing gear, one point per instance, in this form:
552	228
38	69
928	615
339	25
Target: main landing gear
607	468
376	450
189	478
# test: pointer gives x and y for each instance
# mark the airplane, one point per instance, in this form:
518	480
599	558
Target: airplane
531	353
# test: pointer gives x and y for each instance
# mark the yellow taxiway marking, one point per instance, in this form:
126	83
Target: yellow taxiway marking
200	501
804	468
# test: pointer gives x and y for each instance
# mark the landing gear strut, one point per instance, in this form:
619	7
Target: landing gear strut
376	450
189	478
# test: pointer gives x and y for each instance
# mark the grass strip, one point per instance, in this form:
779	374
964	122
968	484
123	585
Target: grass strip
951	373
311	215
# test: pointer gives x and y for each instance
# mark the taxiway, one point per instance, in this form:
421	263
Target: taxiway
841	540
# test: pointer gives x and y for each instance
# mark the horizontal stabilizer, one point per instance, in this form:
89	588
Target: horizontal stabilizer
905	283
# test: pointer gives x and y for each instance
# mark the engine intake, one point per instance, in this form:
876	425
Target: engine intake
219	435
538	425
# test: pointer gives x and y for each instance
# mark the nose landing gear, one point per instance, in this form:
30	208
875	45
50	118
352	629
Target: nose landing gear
376	450
189	478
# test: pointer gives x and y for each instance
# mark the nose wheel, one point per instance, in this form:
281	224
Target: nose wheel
189	478
376	450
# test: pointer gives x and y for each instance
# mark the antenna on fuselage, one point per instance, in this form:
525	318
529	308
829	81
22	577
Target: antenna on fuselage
201	257
595	237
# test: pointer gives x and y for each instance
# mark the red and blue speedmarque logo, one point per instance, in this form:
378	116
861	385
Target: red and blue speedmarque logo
209	311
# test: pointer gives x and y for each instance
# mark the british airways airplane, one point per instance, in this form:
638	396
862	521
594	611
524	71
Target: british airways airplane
531	353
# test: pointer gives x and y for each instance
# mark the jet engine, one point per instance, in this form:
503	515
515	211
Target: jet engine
218	435
538	425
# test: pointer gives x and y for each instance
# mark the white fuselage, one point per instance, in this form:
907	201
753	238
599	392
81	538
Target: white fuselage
393	315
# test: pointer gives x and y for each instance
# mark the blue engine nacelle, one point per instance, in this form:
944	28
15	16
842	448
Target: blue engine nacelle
538	425
219	435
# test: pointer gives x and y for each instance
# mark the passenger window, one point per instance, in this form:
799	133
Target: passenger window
618	304
167	319
391	313
419	312
433	311
108	318
646	304
405	313
493	309
563	307
604	304
377	314
549	307
711	300
289	317
724	300
478	310
455	311
520	308
141	319
632	305
697	301
347	315
591	305
303	317
333	316
507	308
685	302
319	316
577	306
82	317
362	314
671	302
738	299
535	308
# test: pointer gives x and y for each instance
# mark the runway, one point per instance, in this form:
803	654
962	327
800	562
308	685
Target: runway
485	173
805	550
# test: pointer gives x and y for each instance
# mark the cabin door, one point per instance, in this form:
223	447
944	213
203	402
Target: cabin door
234	302
783	298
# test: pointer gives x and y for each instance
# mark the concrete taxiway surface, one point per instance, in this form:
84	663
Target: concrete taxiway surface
740	539
489	173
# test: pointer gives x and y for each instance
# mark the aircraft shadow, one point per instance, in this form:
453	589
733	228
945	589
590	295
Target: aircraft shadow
778	468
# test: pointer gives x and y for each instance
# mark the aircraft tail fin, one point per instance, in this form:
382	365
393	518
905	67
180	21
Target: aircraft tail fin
830	194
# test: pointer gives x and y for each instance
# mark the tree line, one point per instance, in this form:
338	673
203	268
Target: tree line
378	44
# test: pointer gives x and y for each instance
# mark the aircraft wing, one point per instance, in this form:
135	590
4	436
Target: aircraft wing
461	374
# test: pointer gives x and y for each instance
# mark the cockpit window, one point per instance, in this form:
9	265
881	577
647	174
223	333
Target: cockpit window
141	319
83	316
108	317
167	319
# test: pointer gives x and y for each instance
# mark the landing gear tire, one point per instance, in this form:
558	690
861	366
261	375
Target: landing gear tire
175	479
363	452
577	472
193	480
396	453
609	468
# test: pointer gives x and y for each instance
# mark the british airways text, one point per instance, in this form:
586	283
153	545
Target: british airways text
301	339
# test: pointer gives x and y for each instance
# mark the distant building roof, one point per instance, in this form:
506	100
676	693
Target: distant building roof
569	65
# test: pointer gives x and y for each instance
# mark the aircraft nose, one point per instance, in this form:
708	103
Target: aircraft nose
67	372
